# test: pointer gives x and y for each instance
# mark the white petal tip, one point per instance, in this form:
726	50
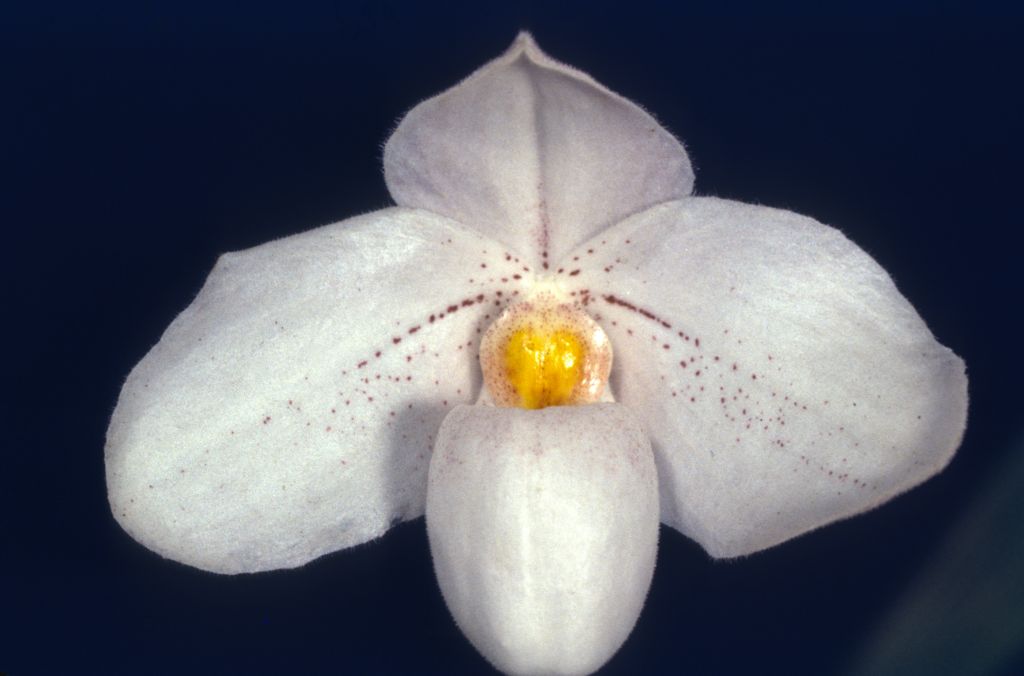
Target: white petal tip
524	41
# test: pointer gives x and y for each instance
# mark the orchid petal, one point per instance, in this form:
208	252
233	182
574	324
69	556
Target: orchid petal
291	409
783	379
543	527
533	154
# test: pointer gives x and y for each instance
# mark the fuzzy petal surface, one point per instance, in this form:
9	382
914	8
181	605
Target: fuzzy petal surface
543	527
784	380
291	409
533	154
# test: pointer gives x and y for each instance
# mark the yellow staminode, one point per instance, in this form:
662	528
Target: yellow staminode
544	352
544	366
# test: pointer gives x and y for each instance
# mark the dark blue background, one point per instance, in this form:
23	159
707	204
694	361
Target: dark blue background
139	143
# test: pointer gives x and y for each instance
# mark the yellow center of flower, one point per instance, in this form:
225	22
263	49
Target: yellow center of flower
543	366
544	352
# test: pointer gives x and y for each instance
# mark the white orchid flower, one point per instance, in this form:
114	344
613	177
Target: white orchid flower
453	356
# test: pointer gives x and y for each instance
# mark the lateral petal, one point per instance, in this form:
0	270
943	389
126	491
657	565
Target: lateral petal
290	410
534	154
543	526
783	379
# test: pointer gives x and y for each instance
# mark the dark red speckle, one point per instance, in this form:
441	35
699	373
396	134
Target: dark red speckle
613	300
